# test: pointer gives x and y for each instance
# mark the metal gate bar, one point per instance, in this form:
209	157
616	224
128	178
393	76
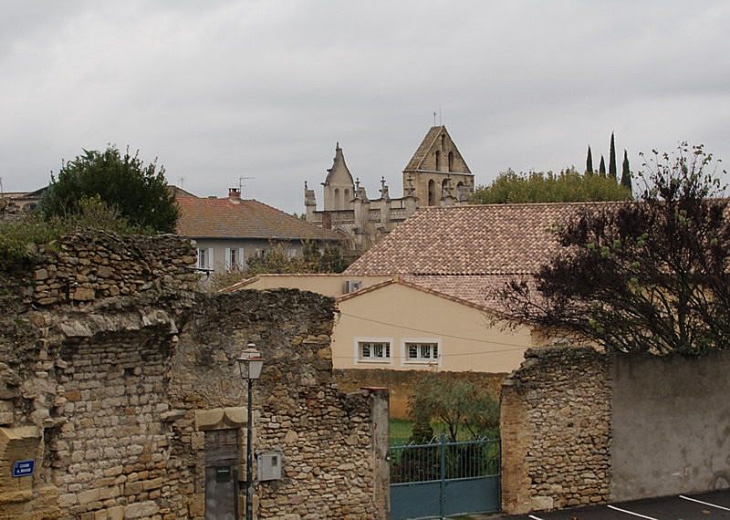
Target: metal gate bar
444	478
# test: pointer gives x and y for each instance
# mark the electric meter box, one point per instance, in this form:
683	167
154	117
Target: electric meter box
269	466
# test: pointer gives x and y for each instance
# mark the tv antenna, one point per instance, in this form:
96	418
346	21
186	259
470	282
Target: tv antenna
240	182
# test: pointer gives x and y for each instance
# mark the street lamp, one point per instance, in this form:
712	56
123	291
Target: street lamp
250	363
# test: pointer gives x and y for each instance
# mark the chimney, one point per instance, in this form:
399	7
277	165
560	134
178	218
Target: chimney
234	195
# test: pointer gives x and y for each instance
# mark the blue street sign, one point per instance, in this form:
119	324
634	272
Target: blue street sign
23	468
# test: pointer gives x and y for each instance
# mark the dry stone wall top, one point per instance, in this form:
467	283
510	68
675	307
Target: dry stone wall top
96	264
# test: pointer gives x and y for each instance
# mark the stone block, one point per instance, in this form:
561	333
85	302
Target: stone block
67	500
83	294
141	510
115	513
196	505
90	495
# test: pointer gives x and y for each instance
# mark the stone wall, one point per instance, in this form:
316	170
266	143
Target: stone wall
555	427
580	427
99	264
112	397
401	382
82	380
108	447
9	210
327	438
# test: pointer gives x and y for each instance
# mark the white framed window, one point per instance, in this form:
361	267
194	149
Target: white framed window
205	258
373	350
234	258
422	350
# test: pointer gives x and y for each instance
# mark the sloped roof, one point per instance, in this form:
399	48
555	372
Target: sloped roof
242	218
494	239
427	144
480	302
423	148
479	290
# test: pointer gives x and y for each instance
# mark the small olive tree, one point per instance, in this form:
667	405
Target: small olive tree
456	403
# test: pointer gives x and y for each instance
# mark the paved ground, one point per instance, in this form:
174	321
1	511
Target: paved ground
706	506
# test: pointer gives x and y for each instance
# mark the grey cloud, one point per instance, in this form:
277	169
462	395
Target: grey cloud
220	90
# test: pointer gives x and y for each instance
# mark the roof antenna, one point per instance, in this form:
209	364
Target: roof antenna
240	183
440	123
182	180
434	118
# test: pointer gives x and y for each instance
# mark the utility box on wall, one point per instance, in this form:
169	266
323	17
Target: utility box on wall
269	466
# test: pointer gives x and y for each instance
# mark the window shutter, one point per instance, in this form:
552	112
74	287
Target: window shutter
210	258
228	259
241	261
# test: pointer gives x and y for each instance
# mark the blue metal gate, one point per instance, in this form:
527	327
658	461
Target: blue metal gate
444	478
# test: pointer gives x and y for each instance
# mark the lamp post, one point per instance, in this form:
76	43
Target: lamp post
250	363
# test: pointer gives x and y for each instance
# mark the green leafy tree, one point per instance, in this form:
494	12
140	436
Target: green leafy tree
567	186
137	192
626	173
458	404
612	159
602	167
589	163
650	276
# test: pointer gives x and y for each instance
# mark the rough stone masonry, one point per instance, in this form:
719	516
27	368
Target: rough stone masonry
555	426
115	373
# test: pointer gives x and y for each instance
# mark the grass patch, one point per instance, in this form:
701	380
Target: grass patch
400	431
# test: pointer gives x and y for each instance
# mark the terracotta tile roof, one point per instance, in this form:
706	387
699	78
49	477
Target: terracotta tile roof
241	218
479	290
495	239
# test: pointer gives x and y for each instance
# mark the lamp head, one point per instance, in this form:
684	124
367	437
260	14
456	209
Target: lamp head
250	362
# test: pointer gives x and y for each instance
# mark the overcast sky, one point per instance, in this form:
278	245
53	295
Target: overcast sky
220	90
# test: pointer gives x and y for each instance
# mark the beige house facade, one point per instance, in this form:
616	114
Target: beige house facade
393	323
397	325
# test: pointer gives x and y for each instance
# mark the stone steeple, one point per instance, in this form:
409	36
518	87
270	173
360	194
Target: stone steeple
437	160
339	188
436	175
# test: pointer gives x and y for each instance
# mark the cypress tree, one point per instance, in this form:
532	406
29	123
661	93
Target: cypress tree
589	162
612	159
602	167
626	173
